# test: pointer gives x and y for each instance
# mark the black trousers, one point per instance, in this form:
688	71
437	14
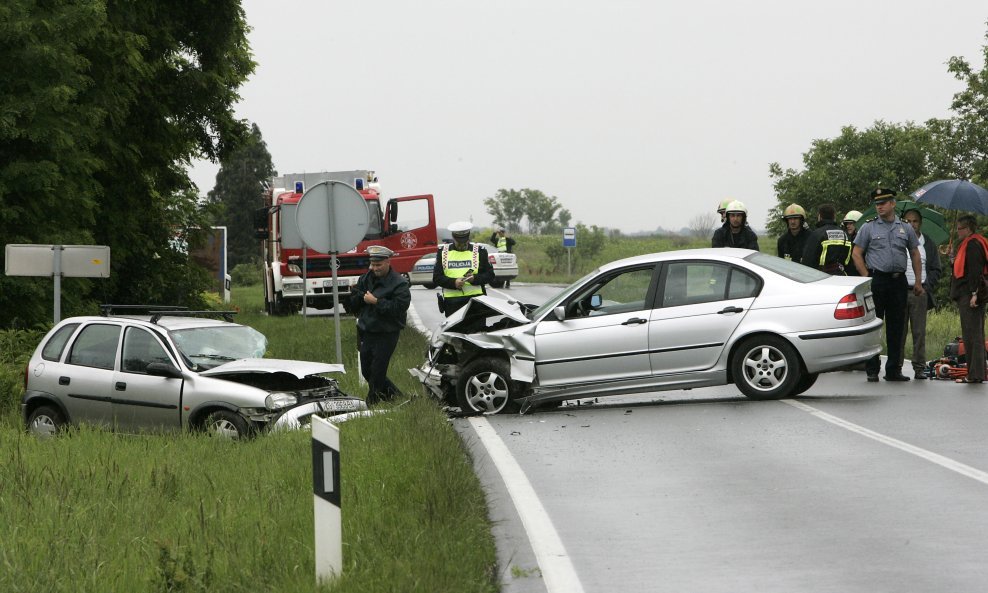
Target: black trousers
375	356
890	305
973	332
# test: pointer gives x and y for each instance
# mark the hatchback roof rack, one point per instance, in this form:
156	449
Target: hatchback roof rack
226	315
107	310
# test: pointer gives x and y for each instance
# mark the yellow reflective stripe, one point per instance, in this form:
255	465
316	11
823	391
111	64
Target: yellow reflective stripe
472	256
834	243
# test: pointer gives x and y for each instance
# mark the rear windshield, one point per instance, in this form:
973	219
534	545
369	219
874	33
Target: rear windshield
787	268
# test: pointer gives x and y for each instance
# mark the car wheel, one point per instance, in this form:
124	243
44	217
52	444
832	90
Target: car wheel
226	424
766	367
484	387
45	421
497	283
805	382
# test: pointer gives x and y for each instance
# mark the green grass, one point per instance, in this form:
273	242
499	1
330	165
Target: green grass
96	511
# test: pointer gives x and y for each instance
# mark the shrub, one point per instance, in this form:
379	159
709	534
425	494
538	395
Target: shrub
247	274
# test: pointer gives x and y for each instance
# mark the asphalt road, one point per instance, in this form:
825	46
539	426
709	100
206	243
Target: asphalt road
854	487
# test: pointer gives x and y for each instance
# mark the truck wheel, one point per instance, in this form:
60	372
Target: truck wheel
484	387
766	367
45	421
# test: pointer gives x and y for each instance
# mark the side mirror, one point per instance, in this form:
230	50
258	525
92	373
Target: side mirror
164	369
559	312
596	301
261	227
393	212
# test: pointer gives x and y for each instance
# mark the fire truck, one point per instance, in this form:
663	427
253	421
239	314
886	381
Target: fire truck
405	225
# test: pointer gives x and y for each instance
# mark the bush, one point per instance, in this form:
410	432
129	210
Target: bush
247	274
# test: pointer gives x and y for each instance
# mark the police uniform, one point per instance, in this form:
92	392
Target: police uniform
886	247
379	323
461	260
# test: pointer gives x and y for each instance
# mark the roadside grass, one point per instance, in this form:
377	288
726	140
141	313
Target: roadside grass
102	512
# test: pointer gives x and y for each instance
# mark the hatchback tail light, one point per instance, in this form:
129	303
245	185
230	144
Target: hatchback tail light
849	307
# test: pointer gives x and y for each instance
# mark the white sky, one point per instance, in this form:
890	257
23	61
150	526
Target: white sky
635	114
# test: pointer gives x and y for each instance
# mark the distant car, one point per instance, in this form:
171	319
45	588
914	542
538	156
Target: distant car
505	268
673	320
170	371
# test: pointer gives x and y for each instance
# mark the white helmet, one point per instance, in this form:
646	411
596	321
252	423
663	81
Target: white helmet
735	207
851	216
461	230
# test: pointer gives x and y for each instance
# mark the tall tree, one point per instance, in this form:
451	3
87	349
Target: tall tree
103	106
540	209
507	207
238	191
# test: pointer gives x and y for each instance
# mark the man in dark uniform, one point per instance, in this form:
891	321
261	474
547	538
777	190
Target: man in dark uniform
828	247
967	289
462	269
380	302
792	242
735	232
880	251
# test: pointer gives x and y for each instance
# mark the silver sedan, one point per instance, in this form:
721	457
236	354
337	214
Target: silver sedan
672	320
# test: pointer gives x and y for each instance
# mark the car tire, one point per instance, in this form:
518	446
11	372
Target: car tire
485	387
497	283
45	421
766	367
226	424
806	380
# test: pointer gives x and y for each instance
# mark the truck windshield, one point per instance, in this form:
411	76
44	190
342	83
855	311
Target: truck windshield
374	224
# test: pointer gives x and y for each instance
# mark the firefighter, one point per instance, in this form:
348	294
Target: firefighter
791	244
462	269
828	248
850	223
735	232
722	209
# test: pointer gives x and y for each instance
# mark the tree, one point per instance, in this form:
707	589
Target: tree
539	208
844	169
507	207
702	225
104	104
238	191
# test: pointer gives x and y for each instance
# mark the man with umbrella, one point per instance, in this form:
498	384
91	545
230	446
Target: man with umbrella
917	306
967	288
880	251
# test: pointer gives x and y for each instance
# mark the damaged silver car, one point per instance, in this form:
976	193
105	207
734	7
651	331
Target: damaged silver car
672	320
172	370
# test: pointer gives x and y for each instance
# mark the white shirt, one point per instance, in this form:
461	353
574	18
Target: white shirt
910	276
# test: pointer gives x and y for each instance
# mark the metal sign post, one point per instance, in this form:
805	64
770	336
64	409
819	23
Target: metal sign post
327	507
71	261
569	240
332	217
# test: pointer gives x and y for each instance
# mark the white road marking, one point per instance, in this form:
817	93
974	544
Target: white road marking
956	466
557	569
417	321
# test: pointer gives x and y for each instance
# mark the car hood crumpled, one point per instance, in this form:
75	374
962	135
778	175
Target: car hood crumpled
495	306
299	368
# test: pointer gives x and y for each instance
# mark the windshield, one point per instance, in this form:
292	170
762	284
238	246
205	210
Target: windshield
373	219
544	308
209	347
787	268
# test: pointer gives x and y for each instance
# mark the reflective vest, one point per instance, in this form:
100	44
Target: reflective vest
835	252
456	264
502	244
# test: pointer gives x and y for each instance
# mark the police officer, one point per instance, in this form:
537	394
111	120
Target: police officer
380	302
828	248
504	243
735	232
880	251
462	269
791	244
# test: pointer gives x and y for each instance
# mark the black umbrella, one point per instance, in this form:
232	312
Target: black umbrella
954	194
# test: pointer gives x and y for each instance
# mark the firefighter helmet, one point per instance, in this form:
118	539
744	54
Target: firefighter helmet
794	211
722	207
736	207
851	216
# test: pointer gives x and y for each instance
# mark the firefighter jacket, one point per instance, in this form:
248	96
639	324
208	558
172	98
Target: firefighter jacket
828	248
452	263
791	246
744	239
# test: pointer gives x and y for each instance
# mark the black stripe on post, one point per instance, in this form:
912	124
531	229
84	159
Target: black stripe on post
325	459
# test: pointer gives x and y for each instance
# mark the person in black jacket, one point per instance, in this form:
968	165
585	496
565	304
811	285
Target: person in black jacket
735	232
380	301
792	242
828	248
918	306
463	269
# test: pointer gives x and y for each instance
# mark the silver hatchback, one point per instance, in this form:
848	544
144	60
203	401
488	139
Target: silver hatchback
168	371
672	320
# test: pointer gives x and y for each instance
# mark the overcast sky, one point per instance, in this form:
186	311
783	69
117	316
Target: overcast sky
635	114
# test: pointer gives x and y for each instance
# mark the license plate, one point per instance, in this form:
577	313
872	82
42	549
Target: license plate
869	302
338	405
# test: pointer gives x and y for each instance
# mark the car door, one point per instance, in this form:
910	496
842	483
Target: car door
700	305
143	402
604	336
86	377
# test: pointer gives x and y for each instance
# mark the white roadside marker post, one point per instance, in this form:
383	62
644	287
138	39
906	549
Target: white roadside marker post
326	499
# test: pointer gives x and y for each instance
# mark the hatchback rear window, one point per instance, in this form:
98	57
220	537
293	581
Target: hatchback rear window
53	349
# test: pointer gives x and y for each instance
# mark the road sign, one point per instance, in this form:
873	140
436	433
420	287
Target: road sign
569	237
332	217
71	261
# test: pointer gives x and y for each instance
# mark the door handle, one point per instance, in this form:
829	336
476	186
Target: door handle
635	321
64	380
730	310
120	386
